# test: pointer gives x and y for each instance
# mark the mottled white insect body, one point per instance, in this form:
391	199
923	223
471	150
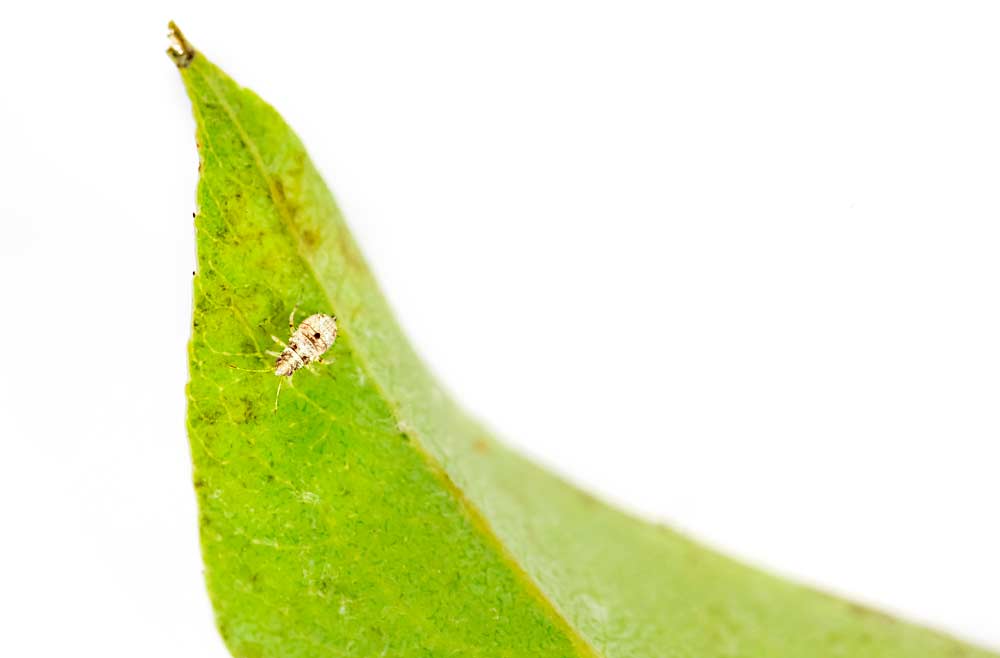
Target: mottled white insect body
307	344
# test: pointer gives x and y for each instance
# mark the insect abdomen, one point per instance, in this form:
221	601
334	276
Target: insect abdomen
308	343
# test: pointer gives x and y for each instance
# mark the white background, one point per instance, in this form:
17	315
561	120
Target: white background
733	267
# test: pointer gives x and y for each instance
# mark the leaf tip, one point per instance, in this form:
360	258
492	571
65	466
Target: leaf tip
180	49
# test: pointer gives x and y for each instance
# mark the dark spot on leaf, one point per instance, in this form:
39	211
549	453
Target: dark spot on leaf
865	611
249	409
249	650
211	415
310	239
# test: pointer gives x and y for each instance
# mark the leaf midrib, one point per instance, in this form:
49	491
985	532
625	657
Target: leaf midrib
576	637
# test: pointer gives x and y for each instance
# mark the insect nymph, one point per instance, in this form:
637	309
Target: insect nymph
307	344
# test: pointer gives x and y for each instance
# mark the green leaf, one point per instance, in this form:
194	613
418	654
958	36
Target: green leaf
367	515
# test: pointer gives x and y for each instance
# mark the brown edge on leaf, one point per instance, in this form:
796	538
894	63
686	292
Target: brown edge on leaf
180	49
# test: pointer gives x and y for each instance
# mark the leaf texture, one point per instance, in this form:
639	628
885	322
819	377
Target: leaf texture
368	516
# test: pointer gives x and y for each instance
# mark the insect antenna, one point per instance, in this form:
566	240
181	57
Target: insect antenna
270	370
249	369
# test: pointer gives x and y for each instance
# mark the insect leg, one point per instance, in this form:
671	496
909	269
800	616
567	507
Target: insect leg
277	394
291	320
